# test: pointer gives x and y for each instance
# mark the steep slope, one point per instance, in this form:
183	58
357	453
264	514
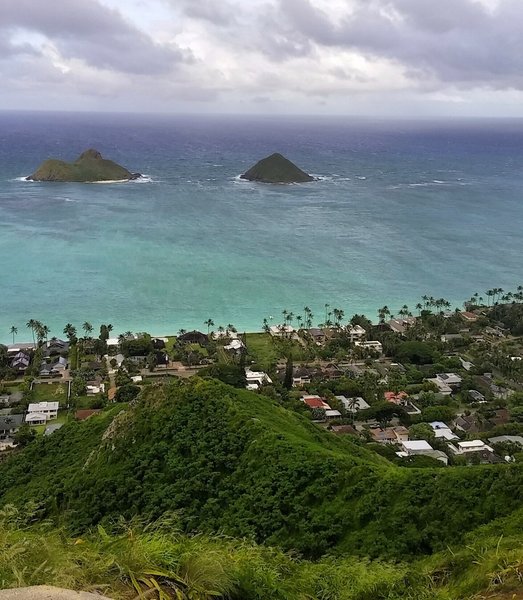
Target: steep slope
276	169
89	166
236	462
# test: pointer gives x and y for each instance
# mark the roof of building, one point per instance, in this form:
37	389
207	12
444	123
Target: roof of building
316	402
35	417
8	422
42	406
81	415
416	445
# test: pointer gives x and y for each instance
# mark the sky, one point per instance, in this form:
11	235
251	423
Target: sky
399	58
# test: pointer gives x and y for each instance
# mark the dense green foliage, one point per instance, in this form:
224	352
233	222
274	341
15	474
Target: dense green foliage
230	460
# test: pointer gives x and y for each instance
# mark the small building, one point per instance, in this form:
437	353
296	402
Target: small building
316	402
256	379
442	430
236	346
48	409
416	447
92	389
193	337
396	397
356	332
468	316
318	335
331	413
469	447
476	397
281	330
513	439
451	379
36	419
372	345
467	424
400	325
21	362
353	405
9	425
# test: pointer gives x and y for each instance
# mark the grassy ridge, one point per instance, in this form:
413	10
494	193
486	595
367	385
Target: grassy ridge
232	461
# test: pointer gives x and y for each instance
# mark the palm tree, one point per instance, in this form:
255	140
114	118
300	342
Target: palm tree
209	323
326	311
13	331
88	328
419	307
182	331
31	324
70	331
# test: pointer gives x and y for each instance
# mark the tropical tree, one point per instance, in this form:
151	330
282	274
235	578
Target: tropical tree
13	331
31	324
209	323
88	328
70	332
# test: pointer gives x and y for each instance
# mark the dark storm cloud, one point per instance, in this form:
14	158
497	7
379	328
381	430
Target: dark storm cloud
90	31
455	41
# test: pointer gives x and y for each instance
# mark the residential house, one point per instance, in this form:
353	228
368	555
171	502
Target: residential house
514	439
356	333
331	413
442	430
468	316
235	346
467	424
315	402
302	376
390	435
9	425
400	325
256	379
47	410
372	345
281	330
451	379
54	347
468	447
421	448
318	335
476	397
13	349
193	337
353	405
92	388
332	372
343	429
21	362
55	369
402	399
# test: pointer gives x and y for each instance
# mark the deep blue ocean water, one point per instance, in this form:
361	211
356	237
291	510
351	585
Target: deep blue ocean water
403	209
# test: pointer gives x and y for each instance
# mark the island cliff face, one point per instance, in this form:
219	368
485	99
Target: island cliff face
89	166
276	169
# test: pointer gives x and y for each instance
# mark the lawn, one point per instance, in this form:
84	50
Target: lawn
63	417
261	349
50	392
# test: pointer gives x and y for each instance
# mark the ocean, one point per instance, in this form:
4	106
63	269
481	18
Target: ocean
401	209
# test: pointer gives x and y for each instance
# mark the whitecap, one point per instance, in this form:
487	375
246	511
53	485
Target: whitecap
362	178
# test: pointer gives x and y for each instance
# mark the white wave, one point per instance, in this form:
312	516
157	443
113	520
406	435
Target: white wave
438	181
24	178
362	178
142	179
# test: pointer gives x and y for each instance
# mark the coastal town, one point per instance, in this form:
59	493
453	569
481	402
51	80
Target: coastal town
423	387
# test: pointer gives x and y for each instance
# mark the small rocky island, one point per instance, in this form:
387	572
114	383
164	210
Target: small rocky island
90	166
276	169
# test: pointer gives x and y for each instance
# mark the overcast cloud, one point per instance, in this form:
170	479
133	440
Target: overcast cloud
397	57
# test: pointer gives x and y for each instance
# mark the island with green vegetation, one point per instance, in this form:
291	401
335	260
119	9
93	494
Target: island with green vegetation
276	169
324	457
89	167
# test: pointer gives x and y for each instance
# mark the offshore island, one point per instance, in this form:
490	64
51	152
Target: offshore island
89	167
276	169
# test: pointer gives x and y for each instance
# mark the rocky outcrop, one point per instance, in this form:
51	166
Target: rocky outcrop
276	169
89	167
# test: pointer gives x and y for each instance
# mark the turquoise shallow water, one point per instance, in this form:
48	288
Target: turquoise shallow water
403	209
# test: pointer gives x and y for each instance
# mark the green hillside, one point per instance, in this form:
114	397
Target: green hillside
232	461
89	166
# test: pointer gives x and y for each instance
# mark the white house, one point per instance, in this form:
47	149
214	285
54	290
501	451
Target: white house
421	448
356	332
332	414
450	379
235	346
281	330
113	342
36	419
442	430
255	379
92	390
353	404
443	388
471	446
49	410
370	345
